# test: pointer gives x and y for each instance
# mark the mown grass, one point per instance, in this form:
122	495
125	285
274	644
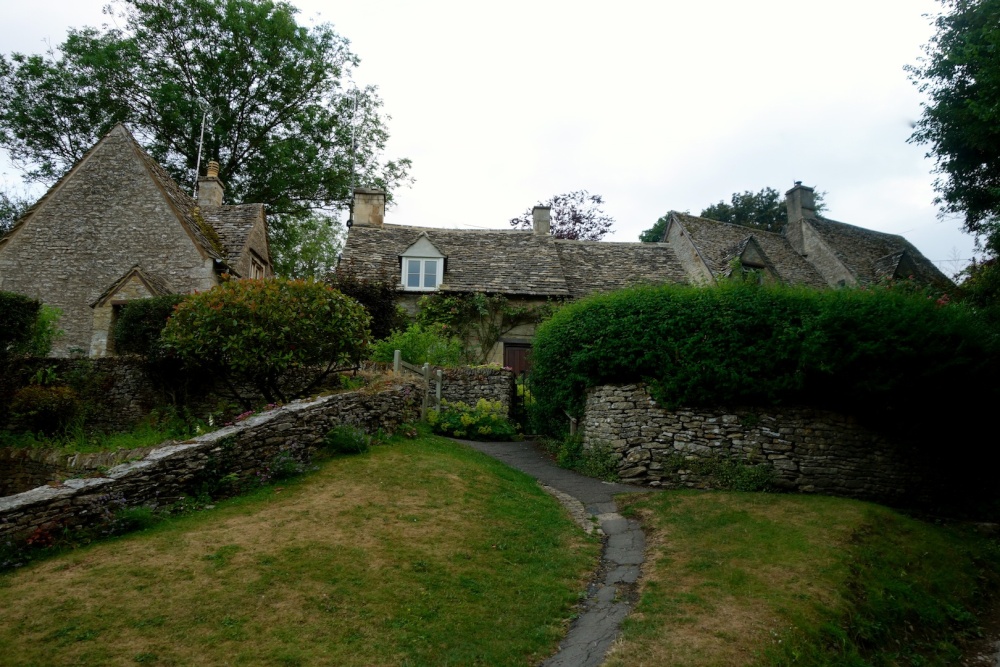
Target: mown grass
420	552
757	579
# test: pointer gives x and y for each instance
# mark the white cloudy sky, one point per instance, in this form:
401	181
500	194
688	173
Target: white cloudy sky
654	105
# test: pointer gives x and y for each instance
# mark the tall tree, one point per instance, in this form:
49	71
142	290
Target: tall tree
575	215
12	207
961	119
279	115
764	210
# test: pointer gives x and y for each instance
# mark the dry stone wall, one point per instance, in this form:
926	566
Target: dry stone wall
174	470
810	451
468	385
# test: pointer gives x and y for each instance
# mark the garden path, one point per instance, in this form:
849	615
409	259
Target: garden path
590	501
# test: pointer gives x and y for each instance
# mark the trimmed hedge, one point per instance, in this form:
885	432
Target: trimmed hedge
892	358
140	323
18	315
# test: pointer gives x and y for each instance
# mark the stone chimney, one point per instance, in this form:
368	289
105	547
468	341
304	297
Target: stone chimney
800	202
541	220
210	188
369	207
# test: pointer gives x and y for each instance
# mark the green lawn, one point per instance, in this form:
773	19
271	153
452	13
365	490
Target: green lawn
420	552
738	579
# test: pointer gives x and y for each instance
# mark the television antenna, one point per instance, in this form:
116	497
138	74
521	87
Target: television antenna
206	111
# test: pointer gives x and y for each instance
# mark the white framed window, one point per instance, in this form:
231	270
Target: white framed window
421	265
422	273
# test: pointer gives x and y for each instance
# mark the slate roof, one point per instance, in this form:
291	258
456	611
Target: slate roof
870	255
718	243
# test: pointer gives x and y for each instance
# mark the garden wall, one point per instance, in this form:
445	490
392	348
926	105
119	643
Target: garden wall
810	451
24	468
469	384
175	470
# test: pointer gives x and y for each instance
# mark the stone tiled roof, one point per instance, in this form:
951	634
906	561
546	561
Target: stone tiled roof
516	262
233	225
157	285
719	243
497	261
595	266
228	226
870	255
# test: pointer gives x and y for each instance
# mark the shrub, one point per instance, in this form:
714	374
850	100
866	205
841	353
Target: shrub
18	316
346	440
45	409
599	460
269	334
479	320
420	345
875	352
140	324
378	296
487	420
45	331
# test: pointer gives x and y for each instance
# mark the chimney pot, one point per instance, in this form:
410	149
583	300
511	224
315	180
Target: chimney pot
210	188
541	219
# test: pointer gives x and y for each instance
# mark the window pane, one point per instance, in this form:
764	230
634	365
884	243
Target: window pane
413	273
430	273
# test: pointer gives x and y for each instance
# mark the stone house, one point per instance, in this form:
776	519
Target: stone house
532	266
116	227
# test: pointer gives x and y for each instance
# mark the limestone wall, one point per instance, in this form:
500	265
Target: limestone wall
809	450
107	216
468	385
173	470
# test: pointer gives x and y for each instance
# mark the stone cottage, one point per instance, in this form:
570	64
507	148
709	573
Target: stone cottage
116	227
532	266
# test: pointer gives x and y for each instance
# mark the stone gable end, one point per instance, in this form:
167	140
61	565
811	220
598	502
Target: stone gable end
106	216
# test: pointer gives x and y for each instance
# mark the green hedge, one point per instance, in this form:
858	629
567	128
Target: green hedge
140	323
18	315
895	359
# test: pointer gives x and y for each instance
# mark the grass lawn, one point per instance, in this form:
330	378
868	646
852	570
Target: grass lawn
760	579
421	552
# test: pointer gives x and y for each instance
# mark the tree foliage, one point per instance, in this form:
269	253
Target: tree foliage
12	207
961	119
377	295
277	336
577	216
305	245
280	120
764	210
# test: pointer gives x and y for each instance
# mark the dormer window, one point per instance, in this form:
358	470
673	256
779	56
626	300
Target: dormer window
421	273
421	265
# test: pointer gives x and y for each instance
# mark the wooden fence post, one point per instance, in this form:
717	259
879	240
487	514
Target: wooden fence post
427	390
397	362
440	376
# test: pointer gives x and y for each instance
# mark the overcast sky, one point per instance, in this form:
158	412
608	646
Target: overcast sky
654	106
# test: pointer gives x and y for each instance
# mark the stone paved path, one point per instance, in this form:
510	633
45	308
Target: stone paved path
591	502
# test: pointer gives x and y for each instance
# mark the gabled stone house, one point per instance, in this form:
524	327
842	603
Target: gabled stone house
116	227
810	250
532	266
